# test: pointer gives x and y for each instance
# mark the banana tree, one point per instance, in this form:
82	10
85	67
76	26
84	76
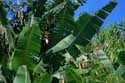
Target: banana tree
50	33
111	54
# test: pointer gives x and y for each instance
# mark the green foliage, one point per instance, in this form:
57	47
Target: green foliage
110	6
121	57
43	78
70	55
22	75
65	43
3	14
72	76
28	46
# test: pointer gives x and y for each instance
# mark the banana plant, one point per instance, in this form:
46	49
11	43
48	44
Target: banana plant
52	25
80	32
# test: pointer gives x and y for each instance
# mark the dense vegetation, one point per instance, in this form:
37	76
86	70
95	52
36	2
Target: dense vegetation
40	42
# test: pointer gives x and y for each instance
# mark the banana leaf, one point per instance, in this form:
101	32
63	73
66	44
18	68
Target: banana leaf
22	75
82	32
28	46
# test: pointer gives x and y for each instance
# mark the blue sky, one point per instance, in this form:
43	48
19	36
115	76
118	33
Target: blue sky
92	6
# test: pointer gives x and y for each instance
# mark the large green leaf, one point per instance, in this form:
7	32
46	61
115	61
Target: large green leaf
22	75
28	46
63	44
82	32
